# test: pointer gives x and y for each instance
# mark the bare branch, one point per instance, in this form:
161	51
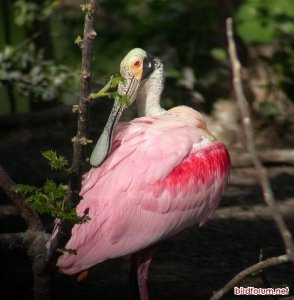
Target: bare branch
30	217
34	240
8	210
42	280
249	135
16	240
270	262
114	23
276	156
64	231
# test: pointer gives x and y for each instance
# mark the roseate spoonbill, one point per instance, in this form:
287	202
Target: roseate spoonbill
164	172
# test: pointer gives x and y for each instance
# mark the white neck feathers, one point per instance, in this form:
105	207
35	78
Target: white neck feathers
148	97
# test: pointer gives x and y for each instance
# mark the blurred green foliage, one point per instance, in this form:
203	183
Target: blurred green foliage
32	75
29	70
26	12
270	23
188	35
262	21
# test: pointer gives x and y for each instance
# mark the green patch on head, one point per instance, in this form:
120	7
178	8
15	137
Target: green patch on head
134	53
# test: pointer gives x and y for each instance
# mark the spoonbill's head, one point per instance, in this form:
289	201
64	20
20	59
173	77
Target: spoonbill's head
136	67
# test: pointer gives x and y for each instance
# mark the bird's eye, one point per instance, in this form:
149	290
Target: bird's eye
137	63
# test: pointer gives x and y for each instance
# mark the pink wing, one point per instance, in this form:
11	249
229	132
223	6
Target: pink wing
160	178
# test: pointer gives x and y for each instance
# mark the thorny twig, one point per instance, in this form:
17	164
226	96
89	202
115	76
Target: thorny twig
261	172
35	238
64	231
250	143
270	262
17	240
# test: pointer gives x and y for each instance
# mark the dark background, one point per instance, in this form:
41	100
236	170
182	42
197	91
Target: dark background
39	81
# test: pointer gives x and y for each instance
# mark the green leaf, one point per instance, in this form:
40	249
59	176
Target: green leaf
27	189
256	31
219	54
253	26
56	162
57	191
112	83
281	7
115	80
123	99
50	200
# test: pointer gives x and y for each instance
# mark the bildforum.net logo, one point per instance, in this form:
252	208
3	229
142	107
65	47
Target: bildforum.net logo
250	290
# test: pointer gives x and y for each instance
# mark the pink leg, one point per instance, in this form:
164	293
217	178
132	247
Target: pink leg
143	272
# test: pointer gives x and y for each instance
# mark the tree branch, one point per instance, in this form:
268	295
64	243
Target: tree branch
270	262
8	210
42	280
270	157
249	136
30	217
114	23
16	240
34	240
72	198
35	243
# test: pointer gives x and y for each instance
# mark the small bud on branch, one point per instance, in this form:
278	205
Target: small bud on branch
88	9
79	41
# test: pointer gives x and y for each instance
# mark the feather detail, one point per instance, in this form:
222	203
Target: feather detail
163	174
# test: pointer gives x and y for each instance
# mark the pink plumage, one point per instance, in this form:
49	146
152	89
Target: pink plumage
163	174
